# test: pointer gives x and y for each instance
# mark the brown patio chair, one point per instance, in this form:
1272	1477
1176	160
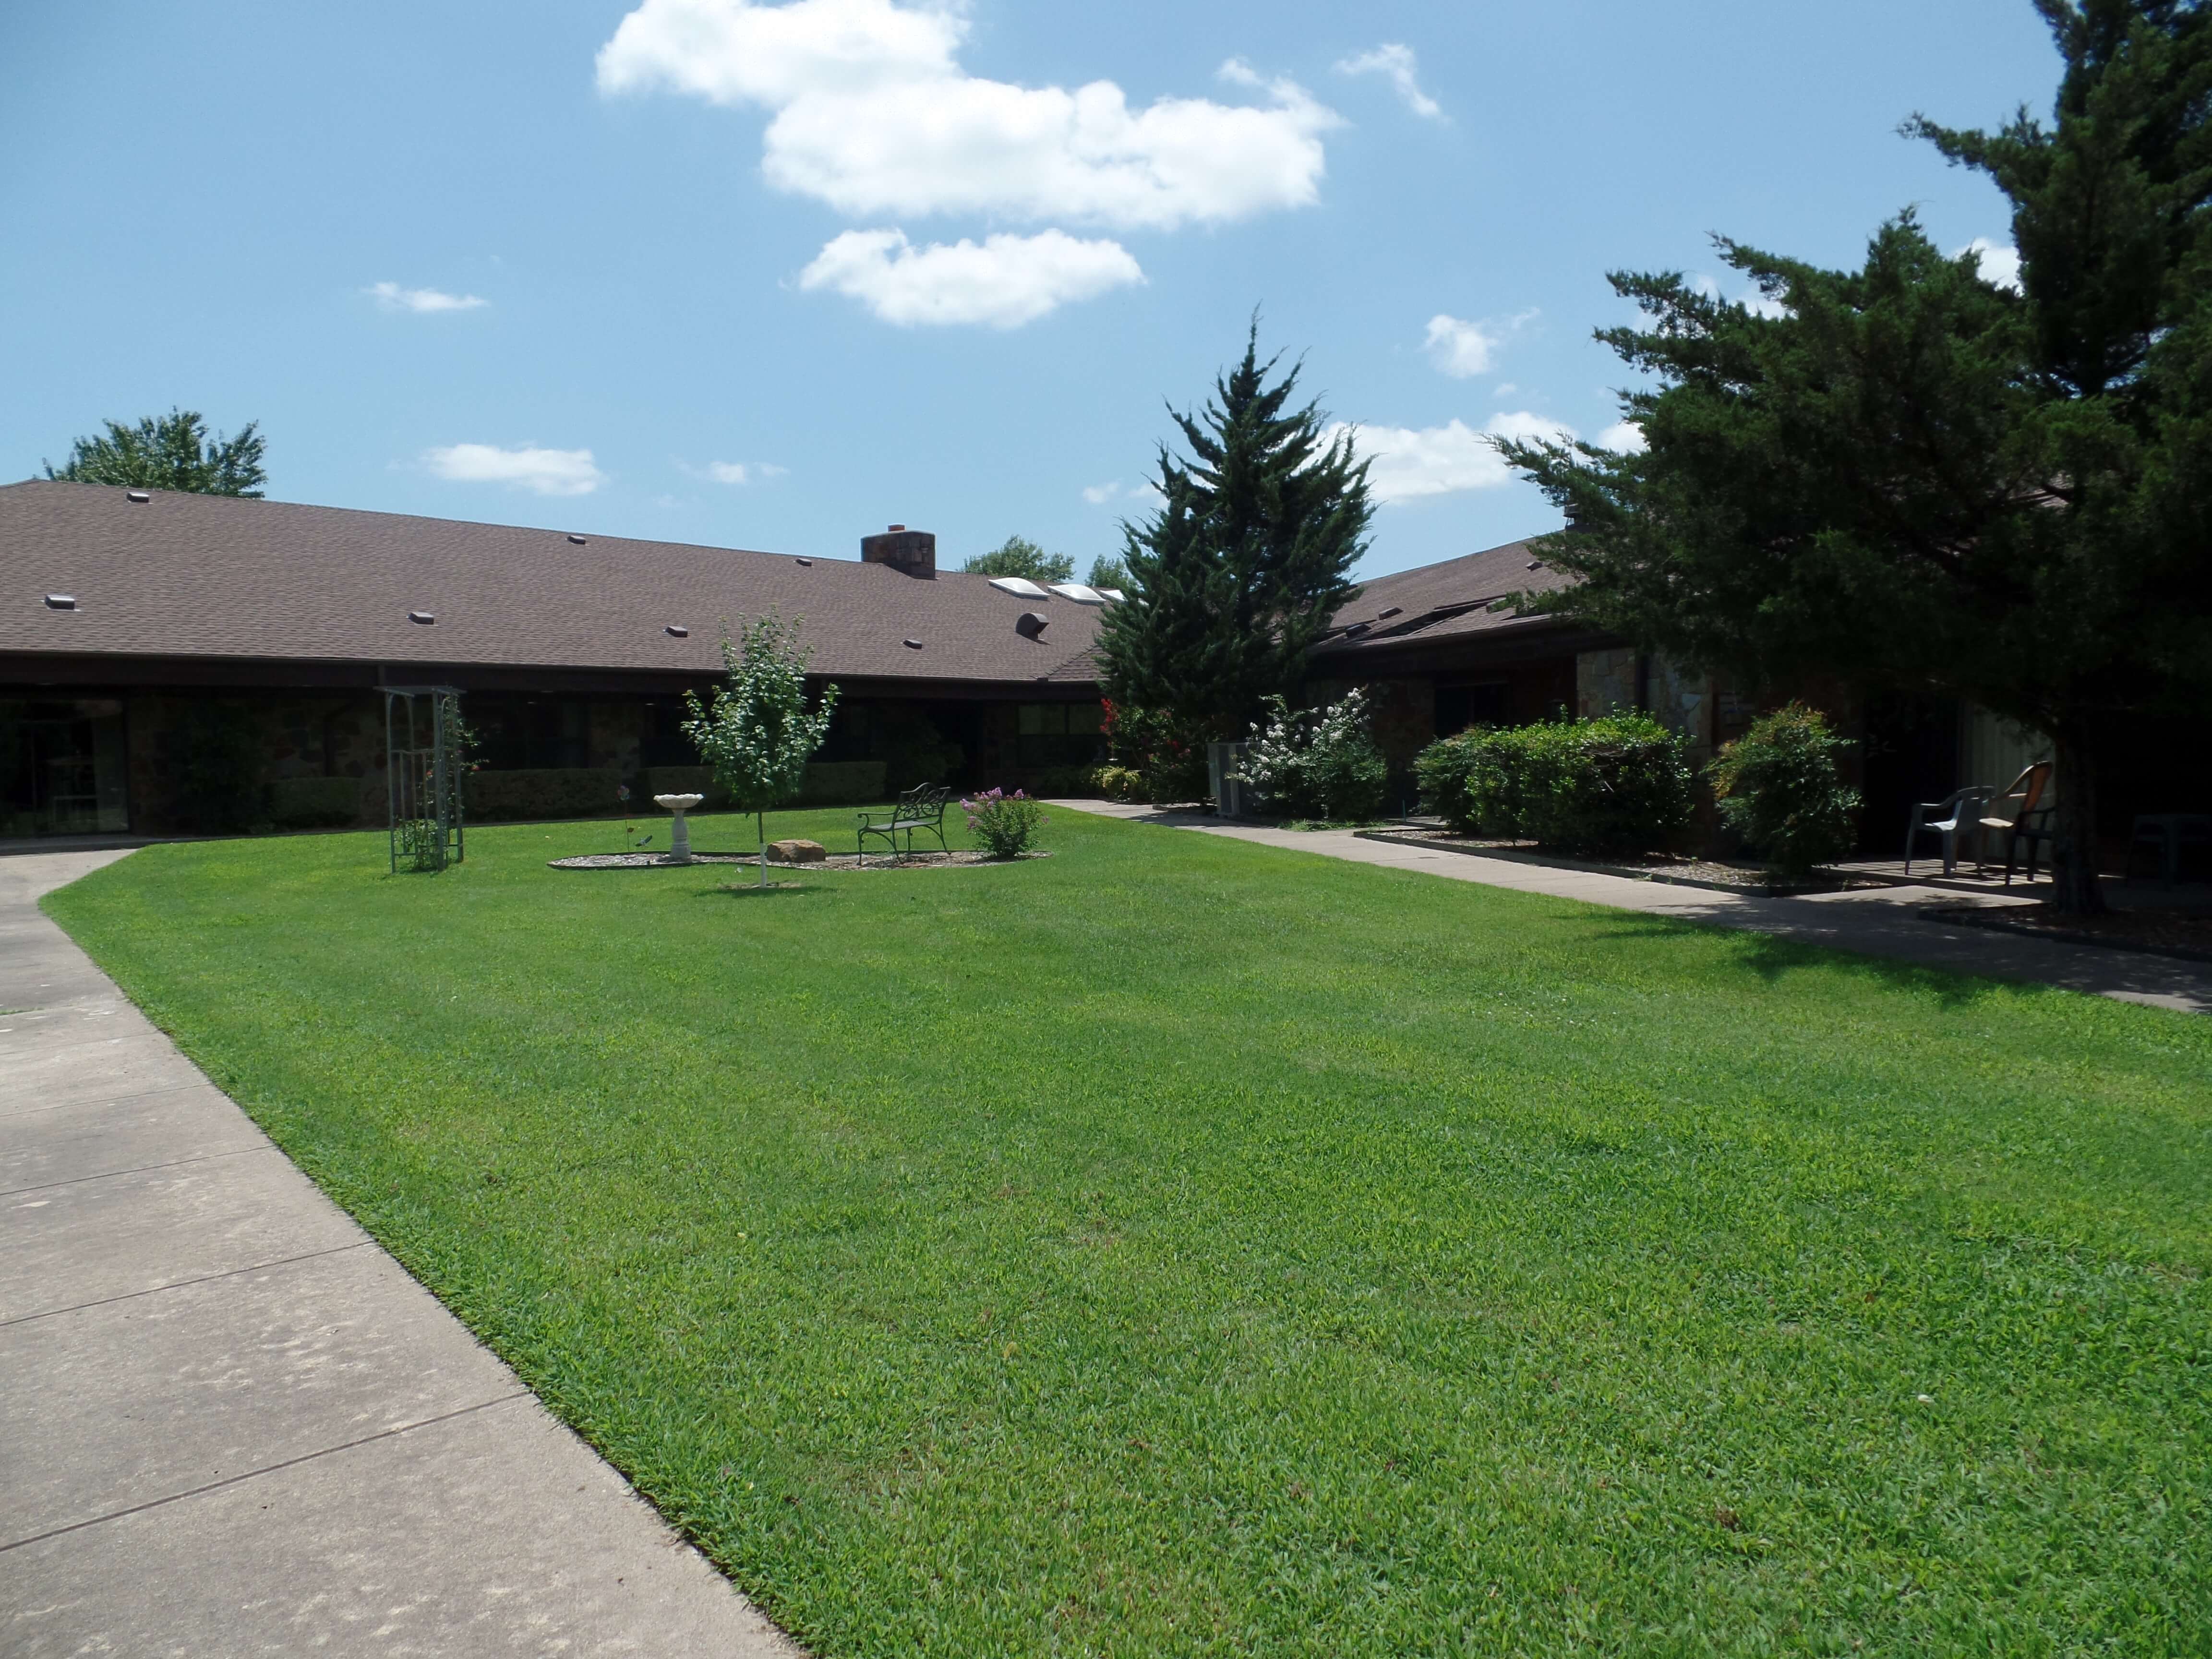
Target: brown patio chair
2018	816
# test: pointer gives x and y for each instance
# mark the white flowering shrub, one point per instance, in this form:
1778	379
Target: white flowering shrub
1317	762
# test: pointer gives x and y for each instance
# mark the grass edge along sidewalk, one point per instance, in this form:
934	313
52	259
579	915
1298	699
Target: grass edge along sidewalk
1176	1245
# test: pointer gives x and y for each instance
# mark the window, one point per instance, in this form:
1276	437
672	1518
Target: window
1057	733
1459	707
62	767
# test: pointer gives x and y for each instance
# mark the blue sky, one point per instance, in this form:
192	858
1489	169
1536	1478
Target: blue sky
694	268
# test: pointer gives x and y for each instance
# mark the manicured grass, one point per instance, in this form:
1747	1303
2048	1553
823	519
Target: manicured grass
1175	1246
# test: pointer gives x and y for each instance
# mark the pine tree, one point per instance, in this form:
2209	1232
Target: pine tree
1245	562
172	452
1916	478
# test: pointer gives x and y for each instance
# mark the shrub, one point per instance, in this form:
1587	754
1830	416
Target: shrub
1120	783
1778	789
315	803
1617	785
1318	762
1443	770
1005	824
1169	751
553	791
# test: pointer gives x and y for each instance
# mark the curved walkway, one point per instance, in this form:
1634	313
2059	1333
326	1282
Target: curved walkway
231	1424
1868	922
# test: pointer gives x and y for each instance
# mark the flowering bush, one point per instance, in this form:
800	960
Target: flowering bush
1005	824
1319	762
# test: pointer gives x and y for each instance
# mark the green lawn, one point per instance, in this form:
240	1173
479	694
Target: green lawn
1176	1246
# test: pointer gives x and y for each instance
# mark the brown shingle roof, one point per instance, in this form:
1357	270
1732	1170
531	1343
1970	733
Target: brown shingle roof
1450	600
218	577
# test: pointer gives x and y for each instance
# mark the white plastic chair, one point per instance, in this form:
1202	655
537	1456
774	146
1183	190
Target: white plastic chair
1950	817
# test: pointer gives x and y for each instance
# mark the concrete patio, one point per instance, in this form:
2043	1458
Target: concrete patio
230	1424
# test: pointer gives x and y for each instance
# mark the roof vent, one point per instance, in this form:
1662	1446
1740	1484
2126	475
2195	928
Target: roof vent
1078	591
575	537
1535	564
809	563
1020	587
1031	624
61	601
677	631
426	617
137	496
911	645
1390	611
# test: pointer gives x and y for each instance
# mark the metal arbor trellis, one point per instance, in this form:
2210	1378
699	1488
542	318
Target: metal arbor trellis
423	739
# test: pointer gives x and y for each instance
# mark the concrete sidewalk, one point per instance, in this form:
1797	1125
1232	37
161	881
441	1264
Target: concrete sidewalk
1870	922
230	1424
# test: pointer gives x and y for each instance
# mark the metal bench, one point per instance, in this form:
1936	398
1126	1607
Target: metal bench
922	808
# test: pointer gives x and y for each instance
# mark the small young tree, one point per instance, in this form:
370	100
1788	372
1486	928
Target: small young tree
758	731
172	452
1017	555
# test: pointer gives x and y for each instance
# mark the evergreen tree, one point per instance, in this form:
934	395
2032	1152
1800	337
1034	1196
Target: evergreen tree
1245	562
1017	555
1107	571
1919	479
172	452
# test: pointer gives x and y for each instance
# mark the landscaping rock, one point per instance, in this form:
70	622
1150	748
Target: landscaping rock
797	852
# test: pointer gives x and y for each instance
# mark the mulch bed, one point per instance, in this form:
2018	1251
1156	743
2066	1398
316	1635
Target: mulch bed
1650	866
2155	933
960	860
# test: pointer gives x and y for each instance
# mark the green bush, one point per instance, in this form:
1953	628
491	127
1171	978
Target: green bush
1443	770
1778	789
1617	785
844	783
1120	783
315	803
553	791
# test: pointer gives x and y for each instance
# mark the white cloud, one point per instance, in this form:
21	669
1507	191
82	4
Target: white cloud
736	472
392	297
1398	62
545	471
1460	348
1505	390
1758	304
873	114
1143	491
1624	437
1004	282
2000	261
1442	460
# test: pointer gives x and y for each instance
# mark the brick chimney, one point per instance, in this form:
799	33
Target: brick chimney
914	551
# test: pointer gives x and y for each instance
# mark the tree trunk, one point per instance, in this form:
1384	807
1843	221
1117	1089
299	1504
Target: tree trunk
760	830
2075	891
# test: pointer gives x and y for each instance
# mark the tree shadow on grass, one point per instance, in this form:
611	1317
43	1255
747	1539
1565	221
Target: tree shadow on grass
754	890
1771	958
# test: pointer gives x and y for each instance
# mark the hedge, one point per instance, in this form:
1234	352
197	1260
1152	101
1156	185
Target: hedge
553	791
1618	785
315	803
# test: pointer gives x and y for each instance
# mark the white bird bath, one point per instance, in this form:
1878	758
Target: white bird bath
680	837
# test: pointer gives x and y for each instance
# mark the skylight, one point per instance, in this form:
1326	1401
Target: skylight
1020	587
1078	591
